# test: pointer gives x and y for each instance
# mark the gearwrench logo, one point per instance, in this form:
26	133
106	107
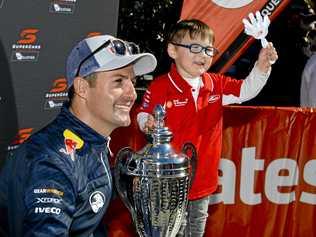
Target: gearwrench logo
232	3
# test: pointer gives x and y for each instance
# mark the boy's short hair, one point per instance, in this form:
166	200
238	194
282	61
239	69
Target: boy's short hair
195	28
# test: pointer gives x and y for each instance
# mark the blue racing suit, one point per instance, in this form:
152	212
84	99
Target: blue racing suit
58	182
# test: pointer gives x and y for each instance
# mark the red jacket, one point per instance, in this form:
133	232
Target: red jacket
202	125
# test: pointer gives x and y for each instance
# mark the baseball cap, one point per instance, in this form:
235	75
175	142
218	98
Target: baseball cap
105	53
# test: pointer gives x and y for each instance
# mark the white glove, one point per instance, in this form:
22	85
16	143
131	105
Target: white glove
257	27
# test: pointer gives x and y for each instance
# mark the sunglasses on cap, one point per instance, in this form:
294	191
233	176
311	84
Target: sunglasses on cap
118	47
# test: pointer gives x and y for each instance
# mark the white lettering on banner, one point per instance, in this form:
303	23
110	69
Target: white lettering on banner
232	3
249	165
273	182
310	178
228	191
270	7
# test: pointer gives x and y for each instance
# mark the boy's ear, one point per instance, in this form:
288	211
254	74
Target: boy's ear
171	49
80	87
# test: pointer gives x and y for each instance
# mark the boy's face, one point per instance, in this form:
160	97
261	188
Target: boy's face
190	65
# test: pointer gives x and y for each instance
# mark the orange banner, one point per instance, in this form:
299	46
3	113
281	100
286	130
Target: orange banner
267	175
225	18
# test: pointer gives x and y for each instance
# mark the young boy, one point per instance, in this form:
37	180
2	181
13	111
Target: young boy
194	99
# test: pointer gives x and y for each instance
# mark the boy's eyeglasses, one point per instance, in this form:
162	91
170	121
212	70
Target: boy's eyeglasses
197	48
119	47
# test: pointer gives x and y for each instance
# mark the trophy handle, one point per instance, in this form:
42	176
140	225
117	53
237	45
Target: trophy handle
121	177
189	149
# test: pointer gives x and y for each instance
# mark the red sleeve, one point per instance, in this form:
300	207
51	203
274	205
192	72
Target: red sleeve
230	85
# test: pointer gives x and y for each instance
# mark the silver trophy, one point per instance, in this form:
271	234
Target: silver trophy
154	182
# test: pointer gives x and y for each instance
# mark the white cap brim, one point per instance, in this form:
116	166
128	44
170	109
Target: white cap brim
143	63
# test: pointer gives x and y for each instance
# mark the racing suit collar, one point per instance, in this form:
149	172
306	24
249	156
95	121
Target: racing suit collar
184	86
67	120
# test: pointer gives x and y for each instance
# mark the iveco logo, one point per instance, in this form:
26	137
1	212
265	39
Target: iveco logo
232	3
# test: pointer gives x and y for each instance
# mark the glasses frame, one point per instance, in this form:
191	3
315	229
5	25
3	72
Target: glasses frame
206	49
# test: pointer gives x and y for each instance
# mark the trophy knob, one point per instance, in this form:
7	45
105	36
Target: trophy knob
159	115
160	133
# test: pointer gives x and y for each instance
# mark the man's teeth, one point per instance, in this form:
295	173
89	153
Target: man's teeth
200	63
125	106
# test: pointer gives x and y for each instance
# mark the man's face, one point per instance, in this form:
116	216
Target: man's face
110	100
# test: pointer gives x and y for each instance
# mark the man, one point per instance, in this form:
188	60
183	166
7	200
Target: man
308	82
58	183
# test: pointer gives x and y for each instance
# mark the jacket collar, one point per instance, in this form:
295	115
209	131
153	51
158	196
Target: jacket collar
66	120
182	86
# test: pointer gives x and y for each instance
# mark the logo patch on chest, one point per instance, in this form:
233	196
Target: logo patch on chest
180	103
213	98
72	143
96	201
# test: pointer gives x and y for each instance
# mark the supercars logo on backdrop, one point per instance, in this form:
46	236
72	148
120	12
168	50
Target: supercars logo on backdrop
62	6
55	98
22	135
94	33
26	48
